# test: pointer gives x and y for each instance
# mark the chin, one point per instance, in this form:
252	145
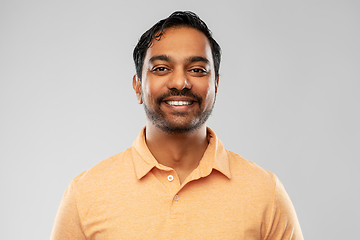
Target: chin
183	128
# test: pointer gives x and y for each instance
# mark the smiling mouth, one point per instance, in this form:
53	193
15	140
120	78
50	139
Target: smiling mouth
179	103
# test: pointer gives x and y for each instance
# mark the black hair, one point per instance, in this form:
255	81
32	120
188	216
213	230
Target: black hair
176	19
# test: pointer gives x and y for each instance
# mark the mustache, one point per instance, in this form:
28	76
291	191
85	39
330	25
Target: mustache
182	93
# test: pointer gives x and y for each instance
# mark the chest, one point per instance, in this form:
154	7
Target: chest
207	208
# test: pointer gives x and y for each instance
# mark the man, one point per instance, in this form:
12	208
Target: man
177	181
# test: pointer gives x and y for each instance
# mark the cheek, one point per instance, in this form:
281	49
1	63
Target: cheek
210	95
150	90
146	94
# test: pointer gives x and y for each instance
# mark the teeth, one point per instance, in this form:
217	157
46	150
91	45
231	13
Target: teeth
178	103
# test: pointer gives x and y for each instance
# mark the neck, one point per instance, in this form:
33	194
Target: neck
182	151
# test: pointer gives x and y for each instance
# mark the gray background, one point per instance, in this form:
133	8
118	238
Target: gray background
288	99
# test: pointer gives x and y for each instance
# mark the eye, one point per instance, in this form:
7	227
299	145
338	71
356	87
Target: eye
198	71
160	71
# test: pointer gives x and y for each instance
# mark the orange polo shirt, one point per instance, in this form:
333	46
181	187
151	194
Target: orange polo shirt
132	196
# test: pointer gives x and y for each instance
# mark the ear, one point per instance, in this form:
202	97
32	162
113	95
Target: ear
137	87
216	85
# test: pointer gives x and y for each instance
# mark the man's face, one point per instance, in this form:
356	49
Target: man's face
178	85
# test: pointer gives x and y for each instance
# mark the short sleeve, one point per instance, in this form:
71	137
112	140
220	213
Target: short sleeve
284	223
67	223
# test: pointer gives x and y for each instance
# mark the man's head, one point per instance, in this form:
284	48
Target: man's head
176	19
177	79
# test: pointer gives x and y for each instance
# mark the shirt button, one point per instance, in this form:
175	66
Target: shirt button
176	198
170	178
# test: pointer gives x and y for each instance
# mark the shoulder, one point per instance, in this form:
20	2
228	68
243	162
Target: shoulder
249	172
107	170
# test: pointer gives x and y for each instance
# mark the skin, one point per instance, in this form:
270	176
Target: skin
180	60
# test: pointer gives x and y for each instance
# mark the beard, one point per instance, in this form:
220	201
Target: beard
178	125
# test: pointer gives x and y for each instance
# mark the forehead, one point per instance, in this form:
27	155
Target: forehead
180	43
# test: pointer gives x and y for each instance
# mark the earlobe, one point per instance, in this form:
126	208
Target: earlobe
216	85
137	87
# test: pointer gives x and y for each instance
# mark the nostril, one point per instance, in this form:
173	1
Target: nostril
187	84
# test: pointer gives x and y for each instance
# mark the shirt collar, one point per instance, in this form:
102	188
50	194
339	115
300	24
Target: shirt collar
215	157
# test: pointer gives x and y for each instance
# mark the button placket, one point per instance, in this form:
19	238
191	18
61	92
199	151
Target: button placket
171	178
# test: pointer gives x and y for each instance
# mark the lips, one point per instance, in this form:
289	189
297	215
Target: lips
179	98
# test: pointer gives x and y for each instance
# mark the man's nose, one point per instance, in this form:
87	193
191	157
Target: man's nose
179	80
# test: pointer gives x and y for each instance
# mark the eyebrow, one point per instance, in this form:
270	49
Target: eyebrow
188	60
198	59
160	57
